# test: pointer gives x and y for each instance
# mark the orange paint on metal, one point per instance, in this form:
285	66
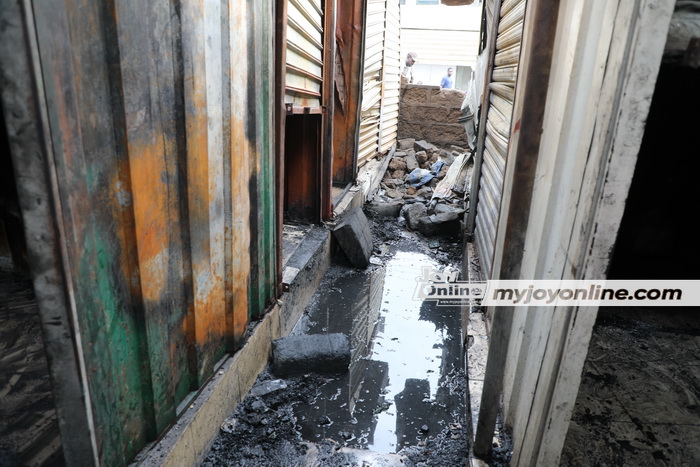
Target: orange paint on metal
150	198
240	208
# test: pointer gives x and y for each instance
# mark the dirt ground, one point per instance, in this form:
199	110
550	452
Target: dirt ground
28	427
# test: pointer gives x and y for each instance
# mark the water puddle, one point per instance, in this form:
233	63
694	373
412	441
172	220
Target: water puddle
406	379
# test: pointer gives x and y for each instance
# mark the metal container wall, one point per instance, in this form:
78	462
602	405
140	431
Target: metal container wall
157	118
498	123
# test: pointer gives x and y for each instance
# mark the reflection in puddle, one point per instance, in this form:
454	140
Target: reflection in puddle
405	356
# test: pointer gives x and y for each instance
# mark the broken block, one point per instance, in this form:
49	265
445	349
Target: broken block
411	162
355	237
406	143
413	213
315	353
444	223
389	209
423	145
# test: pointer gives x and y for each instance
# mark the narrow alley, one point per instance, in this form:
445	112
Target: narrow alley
349	233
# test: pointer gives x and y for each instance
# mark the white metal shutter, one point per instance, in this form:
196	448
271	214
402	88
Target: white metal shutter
389	122
502	93
372	80
304	53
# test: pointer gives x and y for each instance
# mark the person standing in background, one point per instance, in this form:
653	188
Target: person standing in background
447	82
407	73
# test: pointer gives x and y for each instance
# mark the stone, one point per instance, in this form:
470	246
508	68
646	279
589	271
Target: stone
425	192
422	145
393	182
413	213
440	208
445	223
399	154
406	143
400	174
315	353
355	237
393	193
447	157
386	209
411	163
421	158
397	164
411	190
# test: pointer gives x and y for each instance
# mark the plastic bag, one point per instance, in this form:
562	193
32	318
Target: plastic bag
419	177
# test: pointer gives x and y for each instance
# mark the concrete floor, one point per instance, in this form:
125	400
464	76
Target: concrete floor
639	400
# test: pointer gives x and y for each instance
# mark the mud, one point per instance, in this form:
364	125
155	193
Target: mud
403	400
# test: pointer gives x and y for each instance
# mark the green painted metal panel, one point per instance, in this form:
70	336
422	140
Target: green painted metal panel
160	160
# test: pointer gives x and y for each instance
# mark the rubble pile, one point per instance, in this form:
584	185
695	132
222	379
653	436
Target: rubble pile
426	186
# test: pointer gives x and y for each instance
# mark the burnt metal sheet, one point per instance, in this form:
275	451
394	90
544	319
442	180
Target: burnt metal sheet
349	26
162	157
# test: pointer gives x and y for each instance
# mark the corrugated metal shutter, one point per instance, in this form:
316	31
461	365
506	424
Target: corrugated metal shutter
441	47
502	93
372	80
304	53
392	70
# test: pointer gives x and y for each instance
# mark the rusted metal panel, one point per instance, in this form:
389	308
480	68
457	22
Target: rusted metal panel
327	101
348	35
26	123
91	172
303	167
161	145
263	254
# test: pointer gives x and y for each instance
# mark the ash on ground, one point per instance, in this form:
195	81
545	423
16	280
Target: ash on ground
418	211
263	431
